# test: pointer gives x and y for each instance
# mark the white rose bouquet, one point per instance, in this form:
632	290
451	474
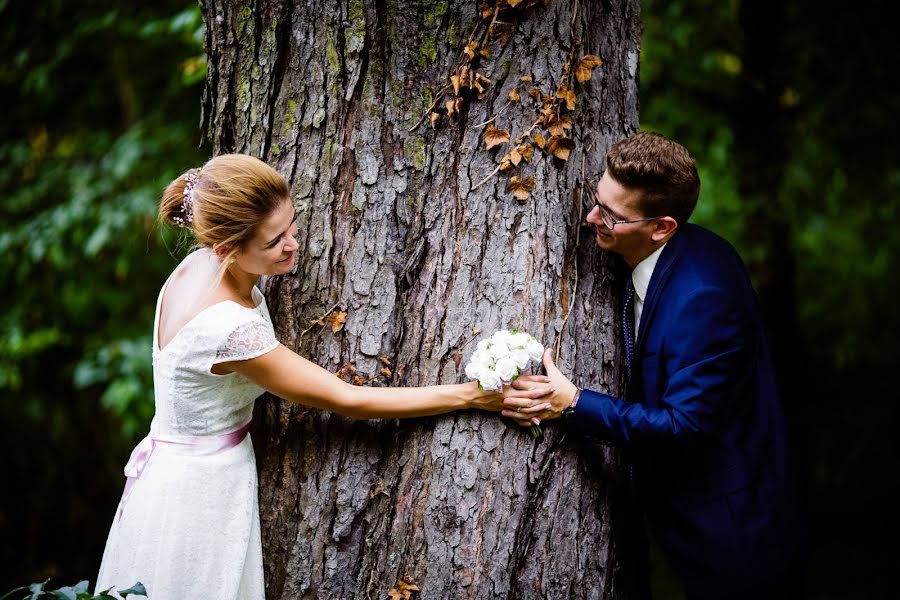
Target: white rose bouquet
498	360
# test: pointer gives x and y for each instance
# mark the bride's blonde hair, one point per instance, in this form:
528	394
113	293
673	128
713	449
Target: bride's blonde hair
224	201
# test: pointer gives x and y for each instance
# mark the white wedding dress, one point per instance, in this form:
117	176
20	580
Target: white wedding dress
189	525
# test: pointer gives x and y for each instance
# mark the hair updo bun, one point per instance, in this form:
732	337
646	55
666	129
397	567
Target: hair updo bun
224	201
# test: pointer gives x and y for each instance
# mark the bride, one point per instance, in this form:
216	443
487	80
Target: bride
188	522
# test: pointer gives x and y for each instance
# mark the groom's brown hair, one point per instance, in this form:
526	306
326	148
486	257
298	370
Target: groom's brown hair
662	170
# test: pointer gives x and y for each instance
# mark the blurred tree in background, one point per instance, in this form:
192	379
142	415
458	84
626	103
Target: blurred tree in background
789	107
102	109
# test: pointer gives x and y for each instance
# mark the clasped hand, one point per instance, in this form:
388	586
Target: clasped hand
549	405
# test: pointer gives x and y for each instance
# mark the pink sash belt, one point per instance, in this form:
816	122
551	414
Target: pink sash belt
189	445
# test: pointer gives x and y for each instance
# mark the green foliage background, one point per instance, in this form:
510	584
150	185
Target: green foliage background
789	108
102	112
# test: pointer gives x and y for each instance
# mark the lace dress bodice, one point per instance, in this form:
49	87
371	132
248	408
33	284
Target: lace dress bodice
190	398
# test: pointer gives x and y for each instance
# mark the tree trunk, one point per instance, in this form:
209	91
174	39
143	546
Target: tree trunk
395	232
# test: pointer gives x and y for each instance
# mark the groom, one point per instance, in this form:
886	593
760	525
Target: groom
701	419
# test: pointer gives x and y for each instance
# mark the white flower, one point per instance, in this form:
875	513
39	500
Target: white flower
506	369
489	380
502	357
534	349
521	358
502	337
520	340
483	358
499	350
474	370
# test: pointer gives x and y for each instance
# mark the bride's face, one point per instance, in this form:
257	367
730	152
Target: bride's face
273	250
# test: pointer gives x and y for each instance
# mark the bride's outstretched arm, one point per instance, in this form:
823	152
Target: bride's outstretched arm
292	377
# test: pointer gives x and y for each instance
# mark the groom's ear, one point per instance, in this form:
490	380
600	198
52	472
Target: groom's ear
663	228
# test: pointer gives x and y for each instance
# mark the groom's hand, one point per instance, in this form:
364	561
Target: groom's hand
558	400
528	402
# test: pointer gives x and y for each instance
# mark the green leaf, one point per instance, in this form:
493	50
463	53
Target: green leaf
37	589
137	588
65	593
9	595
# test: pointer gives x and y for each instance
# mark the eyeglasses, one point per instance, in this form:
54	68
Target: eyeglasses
590	200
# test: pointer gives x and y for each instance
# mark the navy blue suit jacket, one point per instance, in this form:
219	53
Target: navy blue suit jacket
702	422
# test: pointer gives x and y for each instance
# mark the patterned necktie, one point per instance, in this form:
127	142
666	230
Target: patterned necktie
628	324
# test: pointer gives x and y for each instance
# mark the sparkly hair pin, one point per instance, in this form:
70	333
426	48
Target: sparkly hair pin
187	204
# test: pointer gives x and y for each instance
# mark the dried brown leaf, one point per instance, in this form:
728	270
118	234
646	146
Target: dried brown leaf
526	79
461	80
494	137
535	93
585	66
476	330
386	372
514	156
480	83
527	151
514	95
539	140
505	164
470	49
547	115
408	584
565	93
357	380
558	125
404	589
455	81
453	106
487	11
336	320
485	52
435	119
385	360
514	3
560	146
521	187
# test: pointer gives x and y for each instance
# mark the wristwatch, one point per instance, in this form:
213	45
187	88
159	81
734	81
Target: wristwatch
569	411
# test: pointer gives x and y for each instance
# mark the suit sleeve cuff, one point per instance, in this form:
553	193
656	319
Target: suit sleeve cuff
591	416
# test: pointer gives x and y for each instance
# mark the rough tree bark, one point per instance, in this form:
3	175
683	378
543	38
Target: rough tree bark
393	234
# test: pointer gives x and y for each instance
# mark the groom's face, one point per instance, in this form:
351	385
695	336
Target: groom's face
627	239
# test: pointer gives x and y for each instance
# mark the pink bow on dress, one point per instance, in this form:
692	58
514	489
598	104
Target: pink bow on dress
189	445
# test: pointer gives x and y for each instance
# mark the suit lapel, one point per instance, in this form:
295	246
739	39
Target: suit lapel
664	267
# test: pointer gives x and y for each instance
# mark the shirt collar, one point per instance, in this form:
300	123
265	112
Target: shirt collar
642	273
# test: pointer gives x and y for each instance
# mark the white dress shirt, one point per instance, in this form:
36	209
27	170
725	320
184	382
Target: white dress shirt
640	278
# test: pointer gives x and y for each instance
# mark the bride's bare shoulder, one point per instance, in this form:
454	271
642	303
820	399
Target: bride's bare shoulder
191	289
199	263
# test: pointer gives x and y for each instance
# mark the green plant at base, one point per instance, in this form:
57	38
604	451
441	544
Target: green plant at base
77	592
